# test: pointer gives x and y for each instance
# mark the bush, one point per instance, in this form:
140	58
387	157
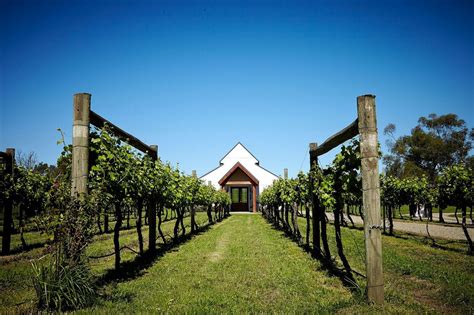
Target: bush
61	286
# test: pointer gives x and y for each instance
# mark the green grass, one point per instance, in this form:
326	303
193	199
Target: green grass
417	275
449	209
241	265
244	265
16	290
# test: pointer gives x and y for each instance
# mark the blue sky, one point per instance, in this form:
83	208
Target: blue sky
196	77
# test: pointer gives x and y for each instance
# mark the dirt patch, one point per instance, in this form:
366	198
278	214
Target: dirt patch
427	293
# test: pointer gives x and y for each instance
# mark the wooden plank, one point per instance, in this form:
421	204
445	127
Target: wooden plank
345	134
100	121
371	197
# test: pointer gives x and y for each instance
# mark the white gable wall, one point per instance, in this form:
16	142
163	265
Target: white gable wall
240	154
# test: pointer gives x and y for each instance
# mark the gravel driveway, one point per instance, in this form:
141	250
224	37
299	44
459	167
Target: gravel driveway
436	230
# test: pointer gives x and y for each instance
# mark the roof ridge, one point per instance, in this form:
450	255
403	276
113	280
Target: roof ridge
220	161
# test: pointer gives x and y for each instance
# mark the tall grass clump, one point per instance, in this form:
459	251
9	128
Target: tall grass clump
62	279
61	286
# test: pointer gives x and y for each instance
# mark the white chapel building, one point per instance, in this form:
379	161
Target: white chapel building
239	173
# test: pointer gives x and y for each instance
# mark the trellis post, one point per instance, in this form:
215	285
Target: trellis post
313	160
152	209
8	204
80	143
285	173
193	210
371	197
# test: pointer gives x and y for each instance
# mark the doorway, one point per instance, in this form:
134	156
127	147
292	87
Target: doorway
240	198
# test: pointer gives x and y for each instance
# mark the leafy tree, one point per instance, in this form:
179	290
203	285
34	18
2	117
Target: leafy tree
436	142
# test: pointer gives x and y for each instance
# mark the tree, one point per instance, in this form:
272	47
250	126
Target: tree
436	142
27	160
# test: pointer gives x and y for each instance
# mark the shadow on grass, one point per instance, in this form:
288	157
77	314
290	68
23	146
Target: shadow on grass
23	249
327	264
435	243
135	268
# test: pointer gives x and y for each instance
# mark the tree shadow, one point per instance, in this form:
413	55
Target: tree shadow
30	246
133	269
326	264
435	243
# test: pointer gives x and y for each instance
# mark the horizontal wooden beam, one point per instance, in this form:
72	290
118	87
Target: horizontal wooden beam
333	141
100	121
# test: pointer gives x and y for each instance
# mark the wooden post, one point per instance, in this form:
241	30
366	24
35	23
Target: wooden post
313	160
254	198
152	209
193	209
371	197
80	143
154	153
285	173
8	204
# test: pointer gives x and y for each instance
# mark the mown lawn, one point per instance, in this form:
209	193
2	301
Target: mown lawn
241	265
449	209
418	276
16	290
244	265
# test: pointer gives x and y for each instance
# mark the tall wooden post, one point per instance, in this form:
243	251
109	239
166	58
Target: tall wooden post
80	143
254	198
285	173
313	160
371	197
153	154
152	209
193	209
8	204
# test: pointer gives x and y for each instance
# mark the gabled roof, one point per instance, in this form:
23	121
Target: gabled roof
249	165
237	165
233	148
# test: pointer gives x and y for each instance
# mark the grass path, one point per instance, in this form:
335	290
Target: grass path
239	265
244	265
